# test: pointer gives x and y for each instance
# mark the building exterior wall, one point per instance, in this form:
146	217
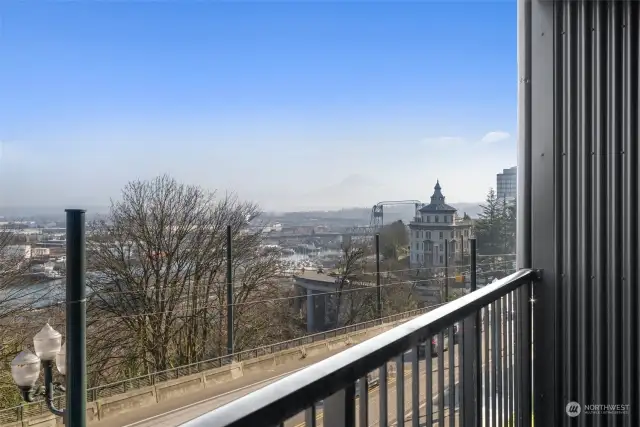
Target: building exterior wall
39	252
427	242
578	204
433	226
507	184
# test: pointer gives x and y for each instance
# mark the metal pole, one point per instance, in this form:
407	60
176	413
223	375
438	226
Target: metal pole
471	359
478	330
474	271
378	288
76	329
229	295
446	270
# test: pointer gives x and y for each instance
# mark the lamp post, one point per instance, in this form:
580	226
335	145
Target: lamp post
25	368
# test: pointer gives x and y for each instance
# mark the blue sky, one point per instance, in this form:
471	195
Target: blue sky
291	104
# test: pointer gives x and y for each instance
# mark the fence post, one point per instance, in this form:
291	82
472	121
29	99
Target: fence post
229	295
446	270
378	288
340	408
471	363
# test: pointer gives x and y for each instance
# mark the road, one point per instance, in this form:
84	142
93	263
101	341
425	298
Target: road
182	409
392	408
186	408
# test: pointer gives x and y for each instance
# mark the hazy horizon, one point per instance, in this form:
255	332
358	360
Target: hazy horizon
103	209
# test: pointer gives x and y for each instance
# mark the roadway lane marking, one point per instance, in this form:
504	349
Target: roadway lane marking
173	411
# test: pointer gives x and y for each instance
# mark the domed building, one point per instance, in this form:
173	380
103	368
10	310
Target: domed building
434	224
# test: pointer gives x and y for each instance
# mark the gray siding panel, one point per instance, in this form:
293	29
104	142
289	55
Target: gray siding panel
583	65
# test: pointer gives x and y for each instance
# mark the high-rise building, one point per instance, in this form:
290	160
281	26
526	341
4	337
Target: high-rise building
507	184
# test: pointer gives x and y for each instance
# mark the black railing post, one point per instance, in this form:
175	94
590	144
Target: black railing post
471	359
446	270
378	287
76	329
524	355
340	408
229	294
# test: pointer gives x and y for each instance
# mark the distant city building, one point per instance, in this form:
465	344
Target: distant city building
277	227
507	184
20	252
40	252
433	224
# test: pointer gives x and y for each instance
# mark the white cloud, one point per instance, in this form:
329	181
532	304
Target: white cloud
495	136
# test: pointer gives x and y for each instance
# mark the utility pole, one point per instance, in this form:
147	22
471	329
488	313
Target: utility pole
446	270
378	288
76	329
229	294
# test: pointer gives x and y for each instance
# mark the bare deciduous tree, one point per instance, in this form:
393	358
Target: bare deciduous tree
161	290
355	298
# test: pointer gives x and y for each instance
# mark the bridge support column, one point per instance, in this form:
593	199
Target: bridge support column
311	311
320	300
297	302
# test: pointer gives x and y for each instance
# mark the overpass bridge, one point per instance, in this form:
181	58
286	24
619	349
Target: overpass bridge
349	232
316	290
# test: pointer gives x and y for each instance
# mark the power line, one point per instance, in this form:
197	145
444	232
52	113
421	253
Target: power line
186	298
193	310
212	284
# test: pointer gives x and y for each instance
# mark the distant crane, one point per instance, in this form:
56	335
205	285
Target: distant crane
377	212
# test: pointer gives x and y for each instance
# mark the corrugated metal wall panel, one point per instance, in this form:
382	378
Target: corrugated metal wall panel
591	286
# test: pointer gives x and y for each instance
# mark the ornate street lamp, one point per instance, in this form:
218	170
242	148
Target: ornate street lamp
25	368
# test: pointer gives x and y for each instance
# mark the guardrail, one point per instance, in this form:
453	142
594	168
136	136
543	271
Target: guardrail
39	408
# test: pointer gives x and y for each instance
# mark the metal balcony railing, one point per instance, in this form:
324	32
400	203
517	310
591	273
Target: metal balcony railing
467	363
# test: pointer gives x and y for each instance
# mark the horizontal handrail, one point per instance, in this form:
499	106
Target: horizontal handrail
298	391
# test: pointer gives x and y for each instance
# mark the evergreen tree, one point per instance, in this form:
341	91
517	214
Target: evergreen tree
510	219
490	226
393	240
496	226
